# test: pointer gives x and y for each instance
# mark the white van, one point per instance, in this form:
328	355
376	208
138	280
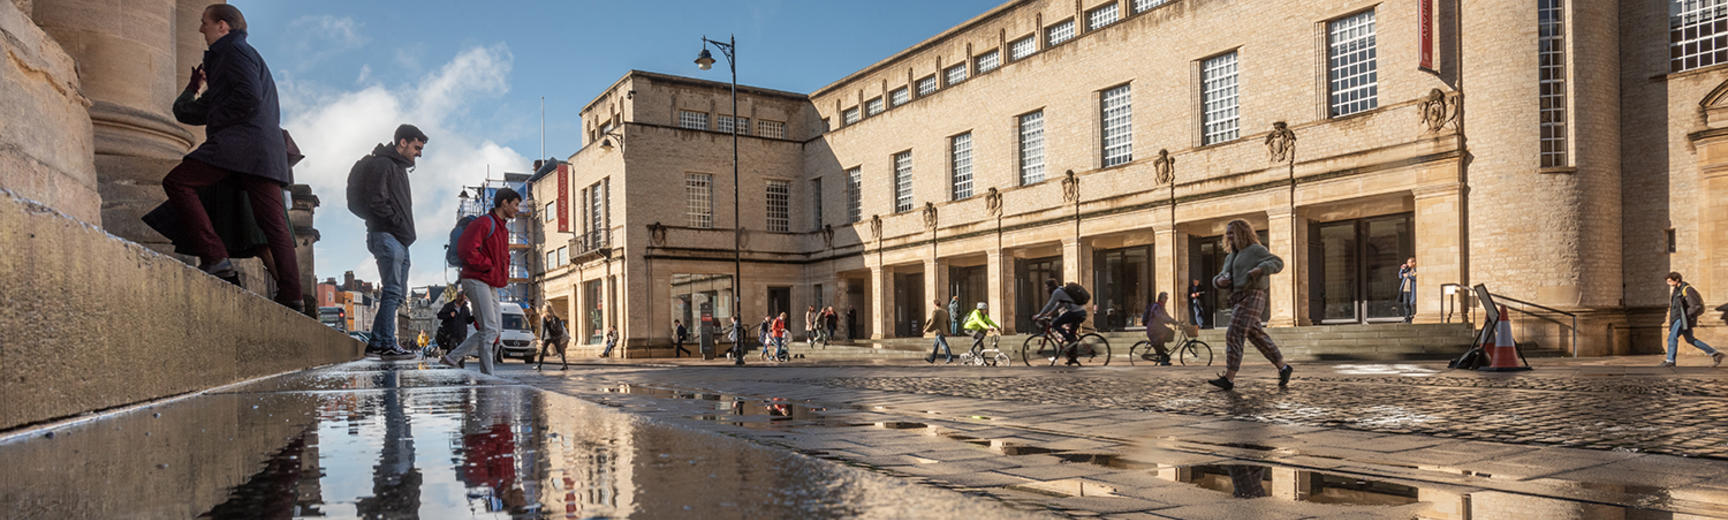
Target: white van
516	335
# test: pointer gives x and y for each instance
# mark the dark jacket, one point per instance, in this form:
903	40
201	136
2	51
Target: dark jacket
242	124
485	250
554	330
453	321
1683	300
386	202
681	332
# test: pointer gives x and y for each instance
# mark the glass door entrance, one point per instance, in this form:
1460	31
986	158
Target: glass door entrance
1122	287
1029	293
909	305
1354	273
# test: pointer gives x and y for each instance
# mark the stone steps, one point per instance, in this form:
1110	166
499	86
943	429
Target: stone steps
1378	342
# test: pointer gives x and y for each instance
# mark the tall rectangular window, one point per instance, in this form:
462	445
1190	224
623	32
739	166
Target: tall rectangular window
960	155
1219	107
873	106
1022	48
1117	115
774	129
988	61
1697	33
564	256
902	182
849	116
1056	34
597	210
854	194
899	96
779	206
699	200
551	210
1351	70
1032	148
816	195
1104	15
955	74
927	86
724	123
1551	80
552	259
693	120
1141	6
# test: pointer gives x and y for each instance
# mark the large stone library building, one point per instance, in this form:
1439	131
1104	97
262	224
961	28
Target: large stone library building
1563	153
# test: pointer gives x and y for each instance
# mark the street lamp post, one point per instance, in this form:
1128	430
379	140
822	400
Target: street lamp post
705	61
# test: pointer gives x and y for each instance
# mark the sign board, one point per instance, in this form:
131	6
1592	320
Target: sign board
1425	34
705	331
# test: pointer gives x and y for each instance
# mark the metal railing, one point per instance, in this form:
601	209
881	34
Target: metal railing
1572	316
1455	292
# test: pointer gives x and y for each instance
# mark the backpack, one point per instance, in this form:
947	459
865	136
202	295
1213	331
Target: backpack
1077	293
356	191
452	256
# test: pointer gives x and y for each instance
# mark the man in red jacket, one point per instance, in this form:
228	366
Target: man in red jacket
485	252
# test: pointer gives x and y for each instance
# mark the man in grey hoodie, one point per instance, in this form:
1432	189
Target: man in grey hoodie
378	192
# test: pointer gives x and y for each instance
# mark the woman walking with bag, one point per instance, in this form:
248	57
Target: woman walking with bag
1245	272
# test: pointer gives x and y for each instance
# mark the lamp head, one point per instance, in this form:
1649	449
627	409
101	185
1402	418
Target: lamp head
606	143
705	60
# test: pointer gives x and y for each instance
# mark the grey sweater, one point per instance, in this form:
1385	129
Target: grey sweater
1239	263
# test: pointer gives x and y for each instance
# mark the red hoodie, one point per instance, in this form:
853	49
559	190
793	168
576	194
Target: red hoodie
485	250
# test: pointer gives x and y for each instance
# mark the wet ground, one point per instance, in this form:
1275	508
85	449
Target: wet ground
410	440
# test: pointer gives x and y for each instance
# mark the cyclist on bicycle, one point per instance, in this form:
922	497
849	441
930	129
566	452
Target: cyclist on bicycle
1158	331
1068	315
978	323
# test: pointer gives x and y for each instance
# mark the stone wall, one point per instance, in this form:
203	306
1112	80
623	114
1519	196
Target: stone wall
95	322
45	141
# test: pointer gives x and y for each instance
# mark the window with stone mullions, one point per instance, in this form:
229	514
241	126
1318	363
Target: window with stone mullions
1104	15
723	123
699	200
988	61
1697	33
850	115
779	206
955	74
1032	148
1141	6
774	129
1056	34
1551	78
960	163
1116	114
854	194
693	120
1352	73
899	96
902	182
873	106
1022	48
1219	105
927	86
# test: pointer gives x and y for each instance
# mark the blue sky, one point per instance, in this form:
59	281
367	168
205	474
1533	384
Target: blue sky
471	74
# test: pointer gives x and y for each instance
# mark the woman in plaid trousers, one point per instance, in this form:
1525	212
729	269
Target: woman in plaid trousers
1245	274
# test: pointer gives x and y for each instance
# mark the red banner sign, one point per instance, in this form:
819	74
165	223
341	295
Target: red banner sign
1425	19
563	198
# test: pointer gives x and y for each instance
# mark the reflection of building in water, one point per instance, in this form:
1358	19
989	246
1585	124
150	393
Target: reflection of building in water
497	443
586	466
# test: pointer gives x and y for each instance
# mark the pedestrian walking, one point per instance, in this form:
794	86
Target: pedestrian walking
555	337
1407	289
1245	274
453	320
485	252
611	341
938	324
810	326
851	323
735	334
778	332
954	313
1197	305
830	321
243	141
379	193
1158	332
679	334
1684	308
421	341
763	335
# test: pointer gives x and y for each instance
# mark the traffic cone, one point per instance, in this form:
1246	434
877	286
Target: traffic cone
1503	356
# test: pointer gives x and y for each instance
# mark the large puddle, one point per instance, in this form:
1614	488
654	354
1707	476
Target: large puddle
388	451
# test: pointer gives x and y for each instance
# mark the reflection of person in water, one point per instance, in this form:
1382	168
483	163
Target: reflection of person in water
1248	481
395	479
489	459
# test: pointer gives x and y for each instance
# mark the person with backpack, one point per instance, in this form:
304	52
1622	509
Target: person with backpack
485	253
1684	308
1067	306
379	193
1245	274
555	338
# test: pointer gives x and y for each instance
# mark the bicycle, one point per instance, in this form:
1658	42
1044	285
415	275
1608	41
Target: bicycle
981	355
1049	345
1190	349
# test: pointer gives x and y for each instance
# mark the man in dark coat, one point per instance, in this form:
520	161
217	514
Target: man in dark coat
243	139
453	320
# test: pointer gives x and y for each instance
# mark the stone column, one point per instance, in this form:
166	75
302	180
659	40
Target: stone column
1075	255
47	160
935	286
999	275
1170	268
1287	230
881	302
300	214
1712	156
127	60
1441	258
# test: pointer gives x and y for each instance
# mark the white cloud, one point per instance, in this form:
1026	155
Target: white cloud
324	36
335	128
365	74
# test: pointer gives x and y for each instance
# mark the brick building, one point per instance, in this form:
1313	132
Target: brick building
1566	154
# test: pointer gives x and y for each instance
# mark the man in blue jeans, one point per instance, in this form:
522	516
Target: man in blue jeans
1684	307
378	192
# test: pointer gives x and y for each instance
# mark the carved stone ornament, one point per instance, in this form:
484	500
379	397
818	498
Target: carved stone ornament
1440	110
993	202
876	227
1070	187
1281	144
929	215
743	238
828	236
657	234
1165	167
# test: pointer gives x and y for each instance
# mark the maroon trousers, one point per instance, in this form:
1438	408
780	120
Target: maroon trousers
182	184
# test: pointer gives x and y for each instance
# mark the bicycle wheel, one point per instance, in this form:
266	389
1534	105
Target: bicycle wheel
1196	351
1138	349
1000	359
1039	348
1092	348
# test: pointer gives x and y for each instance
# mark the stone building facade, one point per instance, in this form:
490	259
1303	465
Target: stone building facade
1565	154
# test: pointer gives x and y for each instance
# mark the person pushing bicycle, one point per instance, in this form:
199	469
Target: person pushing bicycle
1068	312
979	323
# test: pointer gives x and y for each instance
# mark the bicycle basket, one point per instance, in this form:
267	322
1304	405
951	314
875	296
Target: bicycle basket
1190	330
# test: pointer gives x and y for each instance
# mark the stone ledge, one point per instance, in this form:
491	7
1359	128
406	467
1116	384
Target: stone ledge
92	321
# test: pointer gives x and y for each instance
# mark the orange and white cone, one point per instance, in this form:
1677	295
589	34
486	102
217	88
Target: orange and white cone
1503	356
